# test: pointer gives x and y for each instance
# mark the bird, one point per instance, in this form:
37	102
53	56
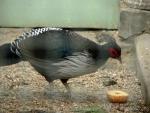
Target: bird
58	53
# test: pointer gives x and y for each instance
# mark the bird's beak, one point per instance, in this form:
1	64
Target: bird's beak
120	60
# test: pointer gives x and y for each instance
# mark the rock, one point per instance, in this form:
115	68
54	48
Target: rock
143	64
133	22
109	82
138	4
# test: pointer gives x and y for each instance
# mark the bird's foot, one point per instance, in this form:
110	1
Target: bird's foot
69	94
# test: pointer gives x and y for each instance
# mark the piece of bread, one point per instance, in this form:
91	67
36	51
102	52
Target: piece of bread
117	96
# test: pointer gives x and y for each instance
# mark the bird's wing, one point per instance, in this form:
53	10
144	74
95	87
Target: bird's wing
75	65
50	44
46	44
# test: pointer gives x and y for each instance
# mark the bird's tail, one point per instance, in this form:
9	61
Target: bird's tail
7	57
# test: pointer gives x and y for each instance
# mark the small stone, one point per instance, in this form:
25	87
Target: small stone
138	83
121	109
109	82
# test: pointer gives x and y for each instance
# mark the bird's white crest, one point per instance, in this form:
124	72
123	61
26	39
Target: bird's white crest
103	43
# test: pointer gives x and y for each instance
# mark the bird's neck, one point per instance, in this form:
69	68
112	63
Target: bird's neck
104	54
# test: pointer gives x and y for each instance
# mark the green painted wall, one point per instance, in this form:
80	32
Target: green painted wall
60	13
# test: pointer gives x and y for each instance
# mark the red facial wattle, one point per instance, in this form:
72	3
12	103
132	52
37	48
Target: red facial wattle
114	53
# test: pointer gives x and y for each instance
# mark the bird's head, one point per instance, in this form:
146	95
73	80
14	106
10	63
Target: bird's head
109	45
115	53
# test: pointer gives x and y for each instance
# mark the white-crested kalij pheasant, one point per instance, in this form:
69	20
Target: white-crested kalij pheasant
58	53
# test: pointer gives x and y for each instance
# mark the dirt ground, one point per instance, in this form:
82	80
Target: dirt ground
23	90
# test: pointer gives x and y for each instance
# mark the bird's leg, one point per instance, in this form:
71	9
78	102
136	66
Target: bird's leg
51	85
64	81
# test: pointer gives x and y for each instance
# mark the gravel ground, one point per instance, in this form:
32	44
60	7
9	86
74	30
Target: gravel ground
23	90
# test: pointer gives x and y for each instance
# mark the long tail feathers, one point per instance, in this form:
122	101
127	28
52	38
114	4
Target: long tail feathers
7	57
